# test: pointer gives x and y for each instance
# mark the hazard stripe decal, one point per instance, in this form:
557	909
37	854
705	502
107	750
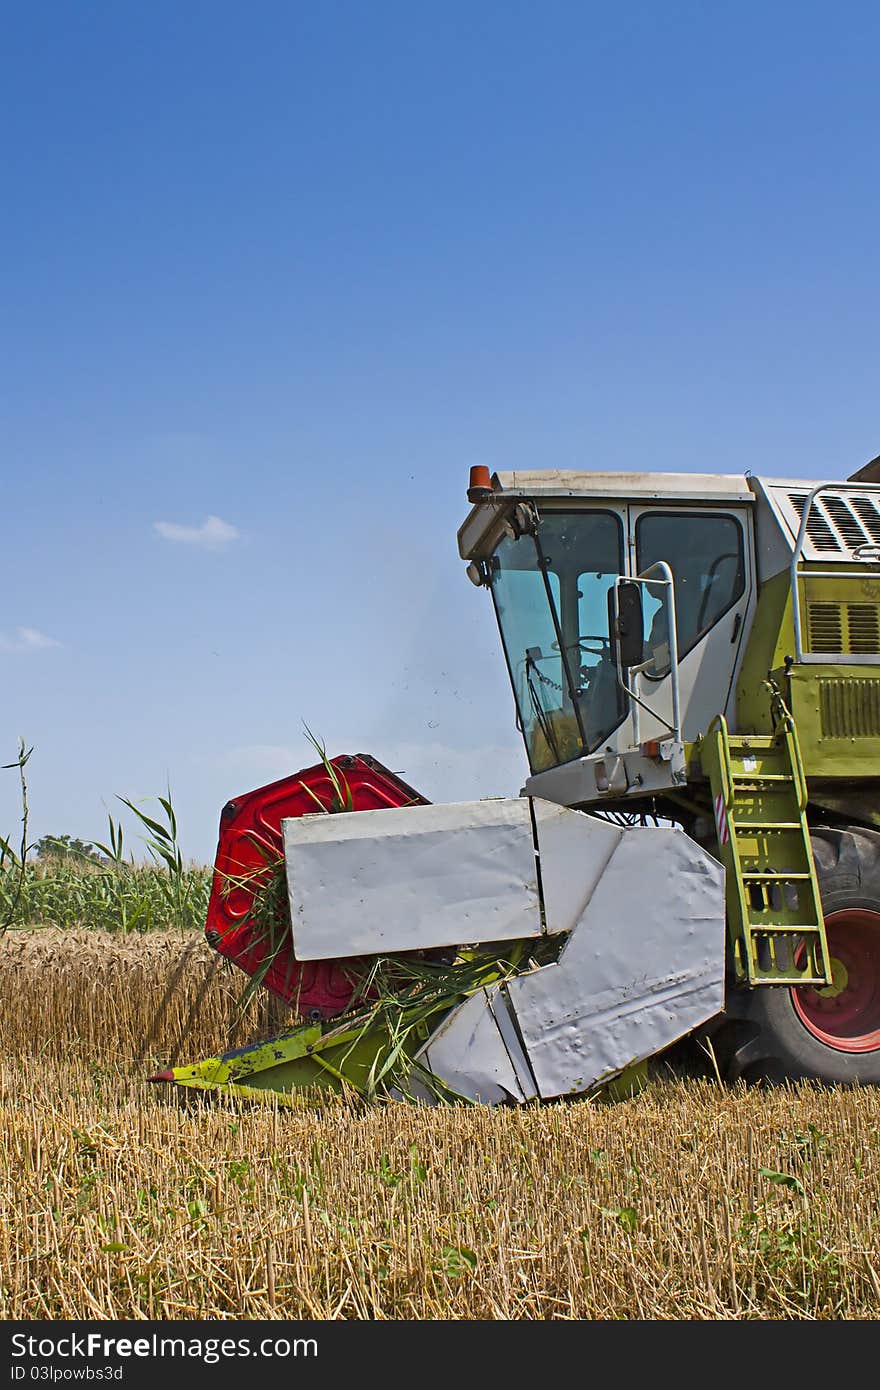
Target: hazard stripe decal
721	821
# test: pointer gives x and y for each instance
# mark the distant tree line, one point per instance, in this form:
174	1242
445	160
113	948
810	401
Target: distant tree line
67	847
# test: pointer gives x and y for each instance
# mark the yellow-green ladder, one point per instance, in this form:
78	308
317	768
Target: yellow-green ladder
759	797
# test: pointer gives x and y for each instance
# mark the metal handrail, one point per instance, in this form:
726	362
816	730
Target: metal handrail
856	489
666	579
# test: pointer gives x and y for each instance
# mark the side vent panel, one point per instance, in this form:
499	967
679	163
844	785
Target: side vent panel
843	629
849	708
836	600
825	627
864	629
839	523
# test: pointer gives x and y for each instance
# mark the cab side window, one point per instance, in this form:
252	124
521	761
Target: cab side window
705	554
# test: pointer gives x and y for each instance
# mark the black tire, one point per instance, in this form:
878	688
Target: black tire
762	1037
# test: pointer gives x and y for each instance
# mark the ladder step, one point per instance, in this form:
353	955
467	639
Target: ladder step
775	928
748	826
759	782
764	877
759	777
774	979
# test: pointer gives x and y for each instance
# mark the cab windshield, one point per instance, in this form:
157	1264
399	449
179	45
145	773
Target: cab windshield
551	596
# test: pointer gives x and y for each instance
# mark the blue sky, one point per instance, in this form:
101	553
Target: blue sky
297	267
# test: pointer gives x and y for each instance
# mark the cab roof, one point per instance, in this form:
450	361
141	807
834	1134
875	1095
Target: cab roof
559	484
563	482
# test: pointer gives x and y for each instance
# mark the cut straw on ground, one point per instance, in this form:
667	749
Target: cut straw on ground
118	1200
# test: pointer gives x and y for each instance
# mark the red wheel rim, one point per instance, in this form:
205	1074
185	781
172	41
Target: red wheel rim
845	1015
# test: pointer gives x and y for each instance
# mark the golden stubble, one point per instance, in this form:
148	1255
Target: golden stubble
123	1200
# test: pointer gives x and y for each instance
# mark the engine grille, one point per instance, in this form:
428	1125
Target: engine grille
852	628
864	629
839	524
849	708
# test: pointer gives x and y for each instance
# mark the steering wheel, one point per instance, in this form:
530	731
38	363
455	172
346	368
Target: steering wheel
582	641
586	637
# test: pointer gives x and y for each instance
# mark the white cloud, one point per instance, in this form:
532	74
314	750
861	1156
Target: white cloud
26	639
212	533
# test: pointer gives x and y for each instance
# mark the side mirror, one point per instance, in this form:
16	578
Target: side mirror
630	634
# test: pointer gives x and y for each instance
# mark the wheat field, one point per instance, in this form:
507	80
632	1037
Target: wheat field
123	1200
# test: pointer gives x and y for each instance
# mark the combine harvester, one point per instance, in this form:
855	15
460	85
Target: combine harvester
695	661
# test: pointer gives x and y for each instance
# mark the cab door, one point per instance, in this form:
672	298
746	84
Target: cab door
710	553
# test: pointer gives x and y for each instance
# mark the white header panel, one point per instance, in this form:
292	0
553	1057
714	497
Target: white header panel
403	880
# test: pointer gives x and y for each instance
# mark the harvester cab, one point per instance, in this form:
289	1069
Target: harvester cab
695	667
607	655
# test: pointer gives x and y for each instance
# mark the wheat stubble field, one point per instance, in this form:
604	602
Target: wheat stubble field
120	1201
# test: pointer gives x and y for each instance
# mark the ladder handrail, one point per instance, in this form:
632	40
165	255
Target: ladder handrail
794	753
783	722
723	763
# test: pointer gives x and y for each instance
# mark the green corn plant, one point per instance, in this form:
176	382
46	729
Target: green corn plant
136	897
112	893
131	913
342	799
182	891
10	862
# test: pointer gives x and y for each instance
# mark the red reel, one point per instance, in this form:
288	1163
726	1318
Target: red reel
250	843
